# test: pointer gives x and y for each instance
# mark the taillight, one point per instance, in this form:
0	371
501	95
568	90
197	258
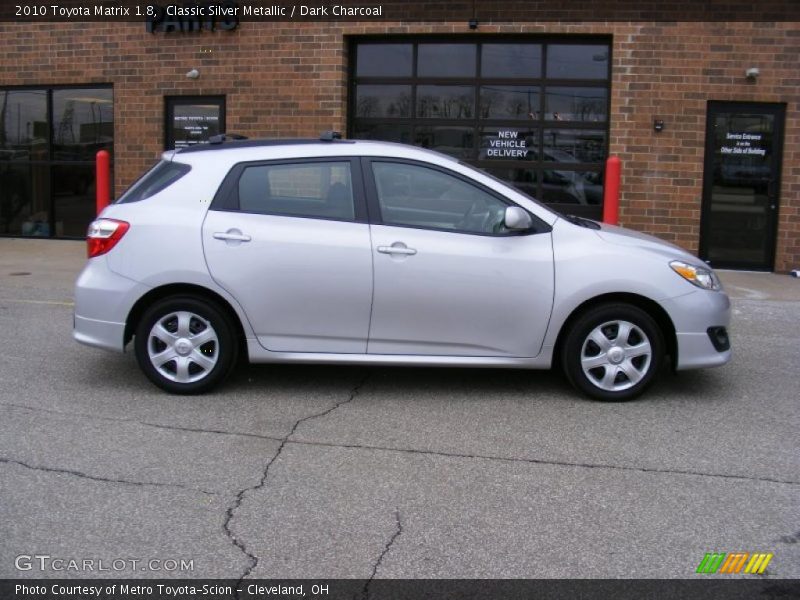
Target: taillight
103	235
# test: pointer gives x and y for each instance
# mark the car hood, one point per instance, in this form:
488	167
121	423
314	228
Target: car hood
628	237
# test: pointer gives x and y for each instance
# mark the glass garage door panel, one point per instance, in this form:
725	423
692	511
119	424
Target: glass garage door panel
532	108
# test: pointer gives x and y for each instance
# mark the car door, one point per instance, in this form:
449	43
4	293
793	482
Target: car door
449	278
289	240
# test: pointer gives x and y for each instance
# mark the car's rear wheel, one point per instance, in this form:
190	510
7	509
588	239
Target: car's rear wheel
185	345
613	352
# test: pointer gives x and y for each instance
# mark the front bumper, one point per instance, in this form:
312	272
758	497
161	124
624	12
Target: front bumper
693	315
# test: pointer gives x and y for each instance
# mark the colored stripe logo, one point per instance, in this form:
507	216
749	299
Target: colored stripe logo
733	563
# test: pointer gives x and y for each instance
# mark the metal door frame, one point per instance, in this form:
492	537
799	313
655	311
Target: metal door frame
778	110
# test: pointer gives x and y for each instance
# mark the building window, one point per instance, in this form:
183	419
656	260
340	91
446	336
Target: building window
191	120
532	111
48	141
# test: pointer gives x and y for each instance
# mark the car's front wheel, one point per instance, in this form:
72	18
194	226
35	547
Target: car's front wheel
613	352
185	345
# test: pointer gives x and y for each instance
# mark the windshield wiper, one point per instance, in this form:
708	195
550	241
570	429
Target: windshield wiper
581	222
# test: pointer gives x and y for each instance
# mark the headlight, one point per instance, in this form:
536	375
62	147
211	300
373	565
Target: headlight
699	276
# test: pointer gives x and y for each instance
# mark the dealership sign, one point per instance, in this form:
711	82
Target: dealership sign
191	17
507	144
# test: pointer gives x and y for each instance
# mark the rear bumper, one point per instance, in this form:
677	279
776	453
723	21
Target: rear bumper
103	301
100	334
693	314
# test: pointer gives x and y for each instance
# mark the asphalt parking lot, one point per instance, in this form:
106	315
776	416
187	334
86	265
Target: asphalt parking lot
332	472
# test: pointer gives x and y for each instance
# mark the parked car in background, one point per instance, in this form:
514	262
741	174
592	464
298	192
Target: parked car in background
351	252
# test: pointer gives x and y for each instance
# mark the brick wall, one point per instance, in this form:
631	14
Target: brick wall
289	79
670	71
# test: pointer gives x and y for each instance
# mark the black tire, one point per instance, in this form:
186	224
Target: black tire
623	370
197	374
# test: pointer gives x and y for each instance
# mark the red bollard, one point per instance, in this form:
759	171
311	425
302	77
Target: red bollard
611	190
103	183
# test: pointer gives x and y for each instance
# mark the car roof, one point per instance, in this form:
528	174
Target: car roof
272	149
248	143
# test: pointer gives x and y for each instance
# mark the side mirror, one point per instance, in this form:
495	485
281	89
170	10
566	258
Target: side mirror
517	219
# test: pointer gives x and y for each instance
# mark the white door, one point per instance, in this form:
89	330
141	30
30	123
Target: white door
449	279
290	248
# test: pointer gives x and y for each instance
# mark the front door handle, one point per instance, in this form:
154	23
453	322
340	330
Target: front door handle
232	236
397	250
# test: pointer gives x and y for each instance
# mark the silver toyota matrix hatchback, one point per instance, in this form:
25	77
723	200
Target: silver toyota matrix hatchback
359	252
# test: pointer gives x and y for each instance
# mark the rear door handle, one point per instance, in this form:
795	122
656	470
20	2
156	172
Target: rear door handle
231	236
396	250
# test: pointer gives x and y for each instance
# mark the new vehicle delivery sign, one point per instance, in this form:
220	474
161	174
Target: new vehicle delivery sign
507	144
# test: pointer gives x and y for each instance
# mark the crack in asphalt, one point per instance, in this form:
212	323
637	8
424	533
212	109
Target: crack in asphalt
790	539
239	498
143	423
397	533
537	461
412	450
11	461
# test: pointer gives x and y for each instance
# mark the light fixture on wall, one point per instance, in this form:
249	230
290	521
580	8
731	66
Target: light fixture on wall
658	125
752	73
193	74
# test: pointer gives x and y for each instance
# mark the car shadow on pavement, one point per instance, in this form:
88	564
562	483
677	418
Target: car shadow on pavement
413	383
406	379
695	385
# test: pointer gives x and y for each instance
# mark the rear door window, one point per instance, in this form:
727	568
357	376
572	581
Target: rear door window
322	190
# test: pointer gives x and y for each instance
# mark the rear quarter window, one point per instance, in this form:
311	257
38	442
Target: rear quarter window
157	179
